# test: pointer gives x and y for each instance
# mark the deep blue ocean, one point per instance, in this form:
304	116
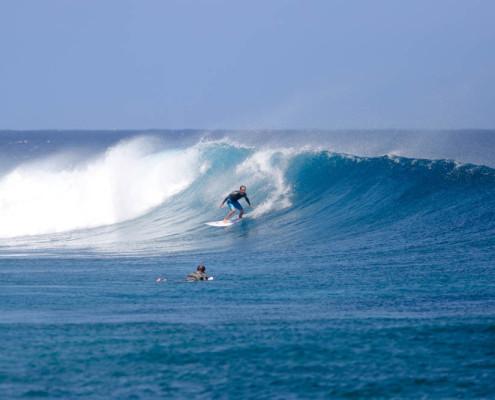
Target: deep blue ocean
365	270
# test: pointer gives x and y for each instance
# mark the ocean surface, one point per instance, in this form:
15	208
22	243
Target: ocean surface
365	270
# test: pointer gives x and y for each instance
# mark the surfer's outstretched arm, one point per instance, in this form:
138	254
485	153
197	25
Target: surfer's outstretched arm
223	202
247	200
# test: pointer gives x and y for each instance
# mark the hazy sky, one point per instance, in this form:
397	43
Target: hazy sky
117	64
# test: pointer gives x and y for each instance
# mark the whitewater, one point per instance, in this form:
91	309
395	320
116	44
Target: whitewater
364	270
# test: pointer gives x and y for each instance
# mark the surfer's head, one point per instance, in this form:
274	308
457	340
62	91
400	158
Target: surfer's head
242	189
201	268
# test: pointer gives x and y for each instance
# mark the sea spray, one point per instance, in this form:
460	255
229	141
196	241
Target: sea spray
122	184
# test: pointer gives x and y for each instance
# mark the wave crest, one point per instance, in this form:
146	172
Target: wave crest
127	181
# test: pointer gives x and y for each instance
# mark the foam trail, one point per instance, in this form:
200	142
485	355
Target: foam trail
123	184
269	166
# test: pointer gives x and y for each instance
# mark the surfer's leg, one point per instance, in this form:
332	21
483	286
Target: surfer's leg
239	207
228	215
232	210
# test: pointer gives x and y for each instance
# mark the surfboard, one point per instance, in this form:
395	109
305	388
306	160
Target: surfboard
221	224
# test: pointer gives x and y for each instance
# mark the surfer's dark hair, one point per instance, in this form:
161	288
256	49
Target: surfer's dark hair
242	186
201	268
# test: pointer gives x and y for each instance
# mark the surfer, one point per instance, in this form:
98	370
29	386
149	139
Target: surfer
199	275
233	202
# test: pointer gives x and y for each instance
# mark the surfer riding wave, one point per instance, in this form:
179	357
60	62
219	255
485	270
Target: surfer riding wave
233	202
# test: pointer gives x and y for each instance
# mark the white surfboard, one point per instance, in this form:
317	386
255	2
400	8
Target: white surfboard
222	224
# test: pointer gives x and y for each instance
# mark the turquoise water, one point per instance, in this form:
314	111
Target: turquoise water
356	276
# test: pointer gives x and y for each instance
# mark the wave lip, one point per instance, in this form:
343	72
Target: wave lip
124	183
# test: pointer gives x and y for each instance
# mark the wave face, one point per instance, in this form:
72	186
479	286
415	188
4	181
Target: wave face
134	194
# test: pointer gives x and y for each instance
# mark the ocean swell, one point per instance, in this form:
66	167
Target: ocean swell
141	194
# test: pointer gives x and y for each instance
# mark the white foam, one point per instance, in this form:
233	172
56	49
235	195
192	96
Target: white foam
267	168
124	183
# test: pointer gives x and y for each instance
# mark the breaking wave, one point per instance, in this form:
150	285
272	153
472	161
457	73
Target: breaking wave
141	195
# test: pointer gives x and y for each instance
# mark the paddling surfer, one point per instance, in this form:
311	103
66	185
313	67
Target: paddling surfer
199	275
233	202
